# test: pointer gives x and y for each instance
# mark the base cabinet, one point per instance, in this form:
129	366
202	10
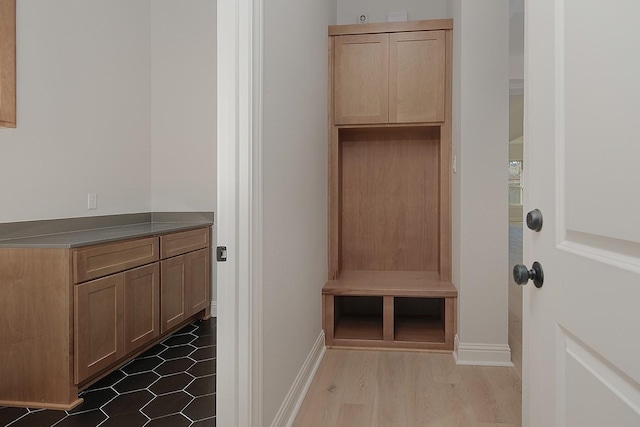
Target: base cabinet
114	316
73	315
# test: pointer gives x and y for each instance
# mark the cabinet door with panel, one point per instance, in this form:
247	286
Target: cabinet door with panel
141	306
198	282
417	62
173	292
389	78
361	79
99	325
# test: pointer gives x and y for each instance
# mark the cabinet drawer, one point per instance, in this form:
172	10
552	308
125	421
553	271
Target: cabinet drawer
183	242
102	260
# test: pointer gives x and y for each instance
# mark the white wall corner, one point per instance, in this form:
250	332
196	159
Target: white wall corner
214	308
292	402
479	354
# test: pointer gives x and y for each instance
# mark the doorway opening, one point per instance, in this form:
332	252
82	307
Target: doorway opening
516	167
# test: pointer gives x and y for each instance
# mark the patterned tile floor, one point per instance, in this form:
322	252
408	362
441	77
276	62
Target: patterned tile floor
173	384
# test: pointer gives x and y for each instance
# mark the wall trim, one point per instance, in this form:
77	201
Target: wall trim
480	354
293	400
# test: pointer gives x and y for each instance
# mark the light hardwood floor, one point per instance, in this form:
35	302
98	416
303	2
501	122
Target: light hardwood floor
355	388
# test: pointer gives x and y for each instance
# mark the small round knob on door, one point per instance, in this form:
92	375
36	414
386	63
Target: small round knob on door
522	275
534	220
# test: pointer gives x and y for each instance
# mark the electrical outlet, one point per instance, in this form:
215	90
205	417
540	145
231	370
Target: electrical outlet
92	201
363	18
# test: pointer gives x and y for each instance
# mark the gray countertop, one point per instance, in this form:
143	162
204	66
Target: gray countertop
101	235
75	239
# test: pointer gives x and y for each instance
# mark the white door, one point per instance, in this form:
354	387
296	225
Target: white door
582	142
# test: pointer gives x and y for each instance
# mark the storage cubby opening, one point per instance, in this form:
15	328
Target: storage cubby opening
419	319
389	199
358	317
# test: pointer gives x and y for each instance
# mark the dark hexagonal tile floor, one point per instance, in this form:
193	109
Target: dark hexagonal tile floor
172	384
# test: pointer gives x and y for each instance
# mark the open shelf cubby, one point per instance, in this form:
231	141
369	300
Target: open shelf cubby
419	319
358	317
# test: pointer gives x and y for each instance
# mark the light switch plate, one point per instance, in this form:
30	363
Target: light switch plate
92	201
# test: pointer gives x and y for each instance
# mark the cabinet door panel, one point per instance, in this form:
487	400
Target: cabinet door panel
173	292
141	306
361	79
198	280
98	325
417	77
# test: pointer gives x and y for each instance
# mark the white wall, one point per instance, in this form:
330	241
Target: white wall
83	111
349	10
183	105
294	188
480	214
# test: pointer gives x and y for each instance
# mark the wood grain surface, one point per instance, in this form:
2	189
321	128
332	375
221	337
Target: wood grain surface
389	181
400	389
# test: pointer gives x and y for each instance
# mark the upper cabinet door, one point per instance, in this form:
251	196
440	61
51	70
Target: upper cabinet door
361	79
417	77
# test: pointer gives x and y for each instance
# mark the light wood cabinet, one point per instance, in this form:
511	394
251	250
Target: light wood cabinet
73	315
390	187
8	63
389	78
114	316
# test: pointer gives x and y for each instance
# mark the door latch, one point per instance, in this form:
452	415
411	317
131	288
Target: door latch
221	253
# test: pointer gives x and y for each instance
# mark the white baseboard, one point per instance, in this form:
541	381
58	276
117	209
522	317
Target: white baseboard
482	354
292	402
214	308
